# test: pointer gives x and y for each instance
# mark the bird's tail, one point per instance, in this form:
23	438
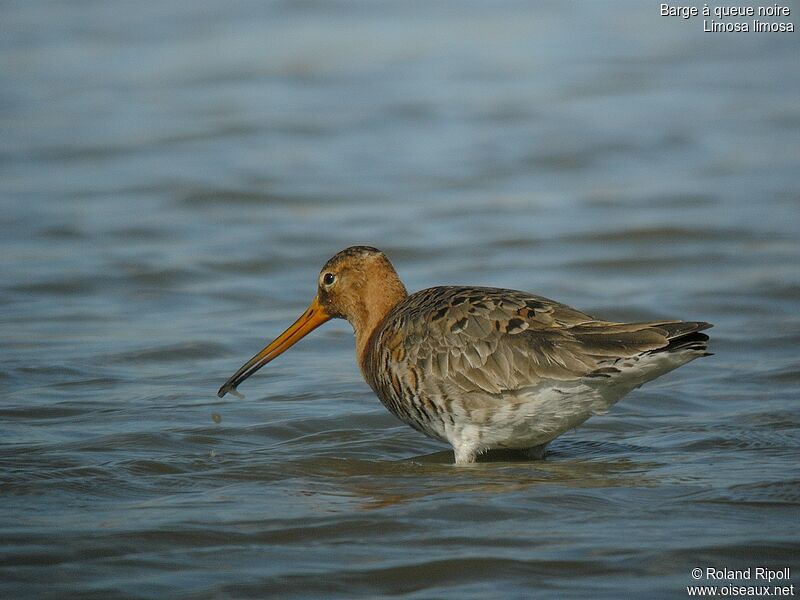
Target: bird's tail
686	335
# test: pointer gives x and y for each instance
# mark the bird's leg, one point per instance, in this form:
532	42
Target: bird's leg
465	453
537	452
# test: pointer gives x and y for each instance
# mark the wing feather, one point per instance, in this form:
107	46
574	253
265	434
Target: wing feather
492	340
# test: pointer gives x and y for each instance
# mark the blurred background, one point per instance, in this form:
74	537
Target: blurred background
173	174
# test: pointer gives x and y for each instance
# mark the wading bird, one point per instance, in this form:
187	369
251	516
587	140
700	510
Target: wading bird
483	368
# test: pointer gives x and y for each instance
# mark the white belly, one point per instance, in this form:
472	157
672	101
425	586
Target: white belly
534	416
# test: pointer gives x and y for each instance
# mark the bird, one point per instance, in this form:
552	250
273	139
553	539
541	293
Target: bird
482	368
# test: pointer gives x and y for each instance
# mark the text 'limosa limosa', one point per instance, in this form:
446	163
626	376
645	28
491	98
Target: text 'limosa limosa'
483	368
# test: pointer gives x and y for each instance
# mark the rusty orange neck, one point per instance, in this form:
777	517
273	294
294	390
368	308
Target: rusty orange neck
378	298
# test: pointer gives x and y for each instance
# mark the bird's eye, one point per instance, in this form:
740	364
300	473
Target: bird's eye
328	278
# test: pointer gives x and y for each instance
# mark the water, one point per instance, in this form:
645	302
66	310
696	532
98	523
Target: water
173	175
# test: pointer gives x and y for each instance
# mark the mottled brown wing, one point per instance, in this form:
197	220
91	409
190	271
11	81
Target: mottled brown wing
494	340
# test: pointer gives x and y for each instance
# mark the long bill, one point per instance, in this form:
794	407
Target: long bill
313	317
